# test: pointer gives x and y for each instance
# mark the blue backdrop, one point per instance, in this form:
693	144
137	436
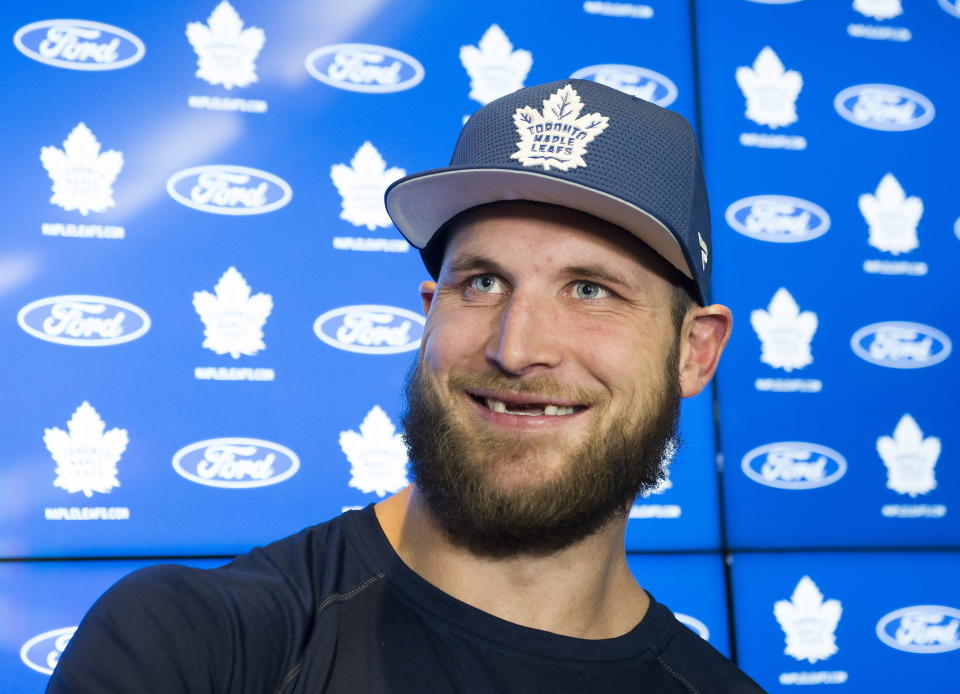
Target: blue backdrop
206	315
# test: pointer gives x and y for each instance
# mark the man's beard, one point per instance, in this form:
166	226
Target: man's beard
454	467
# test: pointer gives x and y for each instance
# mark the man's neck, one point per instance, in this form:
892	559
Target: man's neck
585	590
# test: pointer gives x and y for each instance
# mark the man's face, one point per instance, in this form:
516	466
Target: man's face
547	386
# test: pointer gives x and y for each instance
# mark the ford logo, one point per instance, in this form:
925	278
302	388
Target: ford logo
900	345
227	189
884	107
778	218
921	629
42	652
77	44
794	465
83	321
951	7
637	81
370	329
361	67
236	463
695	624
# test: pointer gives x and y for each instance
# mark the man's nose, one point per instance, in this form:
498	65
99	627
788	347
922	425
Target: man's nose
527	337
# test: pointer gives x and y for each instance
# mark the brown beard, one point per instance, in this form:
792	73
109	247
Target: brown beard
453	466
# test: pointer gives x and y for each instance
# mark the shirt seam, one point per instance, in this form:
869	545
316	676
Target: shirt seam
327	601
677	676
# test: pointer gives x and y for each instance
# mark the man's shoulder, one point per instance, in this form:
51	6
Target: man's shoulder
702	668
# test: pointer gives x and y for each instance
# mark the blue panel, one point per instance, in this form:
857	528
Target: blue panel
833	269
852	622
692	585
41	604
203	297
682	513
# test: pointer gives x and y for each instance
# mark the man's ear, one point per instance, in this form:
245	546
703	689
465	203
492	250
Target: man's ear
706	330
428	290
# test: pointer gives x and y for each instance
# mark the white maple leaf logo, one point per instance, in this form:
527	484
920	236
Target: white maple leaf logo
770	90
558	136
225	50
377	455
878	9
362	185
909	458
495	69
233	319
86	455
892	216
785	333
808	622
82	176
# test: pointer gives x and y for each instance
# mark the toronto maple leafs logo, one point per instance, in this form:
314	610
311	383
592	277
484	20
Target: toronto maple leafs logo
85	454
225	50
495	69
909	458
82	176
892	216
558	136
808	622
377	455
878	9
770	90
232	318
362	185
785	333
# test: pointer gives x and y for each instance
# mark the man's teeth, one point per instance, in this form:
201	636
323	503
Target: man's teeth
528	410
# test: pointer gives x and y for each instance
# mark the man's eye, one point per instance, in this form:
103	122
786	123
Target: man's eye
487	283
589	290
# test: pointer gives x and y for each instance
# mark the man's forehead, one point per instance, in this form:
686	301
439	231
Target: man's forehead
545	232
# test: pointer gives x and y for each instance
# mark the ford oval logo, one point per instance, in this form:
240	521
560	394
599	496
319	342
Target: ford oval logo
921	629
884	107
778	218
236	463
362	67
42	652
637	81
901	345
77	44
695	624
228	189
82	320
794	465
951	7
370	329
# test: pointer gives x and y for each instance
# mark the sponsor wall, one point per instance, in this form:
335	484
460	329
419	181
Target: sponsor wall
209	316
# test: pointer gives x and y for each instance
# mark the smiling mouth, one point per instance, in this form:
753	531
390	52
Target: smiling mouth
527	409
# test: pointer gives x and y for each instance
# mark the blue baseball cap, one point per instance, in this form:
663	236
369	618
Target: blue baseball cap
578	144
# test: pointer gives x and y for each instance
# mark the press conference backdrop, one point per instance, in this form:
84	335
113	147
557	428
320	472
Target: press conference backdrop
206	315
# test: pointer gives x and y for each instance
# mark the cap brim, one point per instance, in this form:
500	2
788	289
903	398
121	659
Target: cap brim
420	204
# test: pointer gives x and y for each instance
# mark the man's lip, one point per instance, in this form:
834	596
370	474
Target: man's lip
524	398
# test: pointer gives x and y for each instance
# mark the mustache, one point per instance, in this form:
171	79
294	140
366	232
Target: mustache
544	386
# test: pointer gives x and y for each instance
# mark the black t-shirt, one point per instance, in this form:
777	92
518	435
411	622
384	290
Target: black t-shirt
334	609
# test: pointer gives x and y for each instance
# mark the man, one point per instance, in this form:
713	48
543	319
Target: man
569	241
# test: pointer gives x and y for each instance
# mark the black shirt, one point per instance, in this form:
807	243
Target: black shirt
334	609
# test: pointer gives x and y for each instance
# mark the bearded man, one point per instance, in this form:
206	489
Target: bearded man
569	244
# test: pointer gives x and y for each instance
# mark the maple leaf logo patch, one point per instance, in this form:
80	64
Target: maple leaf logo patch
86	454
233	319
557	137
377	455
362	185
82	175
226	52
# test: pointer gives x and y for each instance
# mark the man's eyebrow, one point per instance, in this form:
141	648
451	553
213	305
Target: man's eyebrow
472	263
596	272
